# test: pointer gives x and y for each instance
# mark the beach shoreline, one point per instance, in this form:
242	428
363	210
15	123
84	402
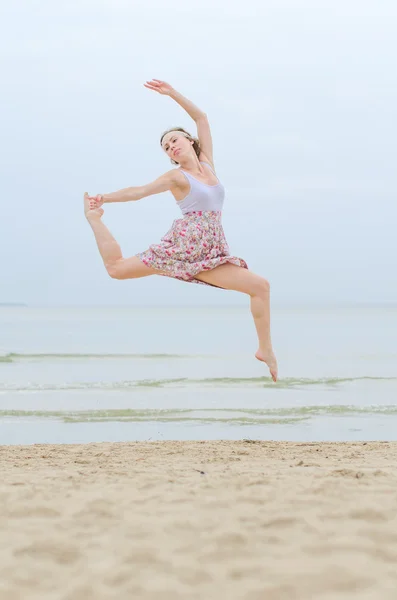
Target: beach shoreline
172	519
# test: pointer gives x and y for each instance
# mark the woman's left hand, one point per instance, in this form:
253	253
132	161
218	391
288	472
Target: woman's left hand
97	200
159	86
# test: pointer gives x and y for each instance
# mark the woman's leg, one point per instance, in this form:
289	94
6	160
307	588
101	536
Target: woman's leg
231	277
117	266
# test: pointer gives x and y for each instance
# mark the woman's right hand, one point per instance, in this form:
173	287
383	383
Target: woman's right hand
159	86
97	200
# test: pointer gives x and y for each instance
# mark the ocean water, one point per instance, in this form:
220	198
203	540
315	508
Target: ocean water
71	375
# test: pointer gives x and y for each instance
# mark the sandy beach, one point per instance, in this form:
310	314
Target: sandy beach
175	520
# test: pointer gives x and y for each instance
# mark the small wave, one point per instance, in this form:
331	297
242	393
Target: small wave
16	357
185	382
233	416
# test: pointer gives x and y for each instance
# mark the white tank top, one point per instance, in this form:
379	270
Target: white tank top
201	195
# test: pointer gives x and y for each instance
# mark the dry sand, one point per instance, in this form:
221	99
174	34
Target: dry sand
206	520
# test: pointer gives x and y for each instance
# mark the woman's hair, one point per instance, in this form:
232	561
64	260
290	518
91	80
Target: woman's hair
196	144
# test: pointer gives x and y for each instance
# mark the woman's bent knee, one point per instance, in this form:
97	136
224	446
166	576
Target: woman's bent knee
263	287
114	271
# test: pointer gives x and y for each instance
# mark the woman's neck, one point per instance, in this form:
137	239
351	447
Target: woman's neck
192	164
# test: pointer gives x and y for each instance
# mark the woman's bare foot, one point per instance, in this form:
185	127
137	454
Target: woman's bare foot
268	357
91	207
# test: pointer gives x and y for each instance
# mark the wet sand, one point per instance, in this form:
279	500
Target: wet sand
207	520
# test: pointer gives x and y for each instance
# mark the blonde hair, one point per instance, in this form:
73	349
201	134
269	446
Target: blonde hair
196	143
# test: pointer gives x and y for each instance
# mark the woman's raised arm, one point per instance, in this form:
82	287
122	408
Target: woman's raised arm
200	117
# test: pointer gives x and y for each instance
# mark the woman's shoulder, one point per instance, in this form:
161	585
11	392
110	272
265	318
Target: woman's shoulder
179	179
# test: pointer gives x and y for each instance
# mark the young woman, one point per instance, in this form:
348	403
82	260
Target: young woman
195	248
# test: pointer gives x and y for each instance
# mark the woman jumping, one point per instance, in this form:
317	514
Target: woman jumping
195	248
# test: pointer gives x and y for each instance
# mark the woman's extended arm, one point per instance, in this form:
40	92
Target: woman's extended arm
200	117
167	90
192	110
161	184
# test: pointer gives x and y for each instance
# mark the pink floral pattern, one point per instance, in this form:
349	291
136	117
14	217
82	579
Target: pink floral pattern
194	243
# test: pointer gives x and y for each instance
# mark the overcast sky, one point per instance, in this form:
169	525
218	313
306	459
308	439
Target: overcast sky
301	96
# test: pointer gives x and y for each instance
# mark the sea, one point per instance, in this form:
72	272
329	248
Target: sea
94	374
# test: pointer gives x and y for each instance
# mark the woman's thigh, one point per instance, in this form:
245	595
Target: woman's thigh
232	277
130	268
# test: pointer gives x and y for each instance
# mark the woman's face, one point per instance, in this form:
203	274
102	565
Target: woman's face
176	144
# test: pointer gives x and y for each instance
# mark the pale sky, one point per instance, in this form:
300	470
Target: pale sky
301	96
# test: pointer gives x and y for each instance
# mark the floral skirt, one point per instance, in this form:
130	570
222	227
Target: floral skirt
195	243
